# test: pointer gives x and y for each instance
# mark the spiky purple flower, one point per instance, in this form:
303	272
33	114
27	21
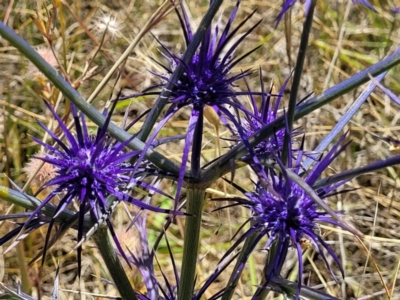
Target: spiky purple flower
260	117
284	211
268	112
89	169
206	81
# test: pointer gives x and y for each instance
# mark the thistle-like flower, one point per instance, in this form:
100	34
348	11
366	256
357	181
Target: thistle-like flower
206	81
261	117
285	211
89	169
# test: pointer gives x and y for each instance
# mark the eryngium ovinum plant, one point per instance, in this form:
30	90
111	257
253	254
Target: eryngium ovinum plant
285	201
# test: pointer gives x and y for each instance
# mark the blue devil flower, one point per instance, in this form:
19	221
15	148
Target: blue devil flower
89	169
206	81
263	115
287	214
260	117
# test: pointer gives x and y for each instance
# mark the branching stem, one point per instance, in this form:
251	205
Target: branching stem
195	200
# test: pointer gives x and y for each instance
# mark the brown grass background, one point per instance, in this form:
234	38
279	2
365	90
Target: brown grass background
373	207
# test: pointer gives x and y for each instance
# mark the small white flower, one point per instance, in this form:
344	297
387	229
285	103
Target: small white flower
108	23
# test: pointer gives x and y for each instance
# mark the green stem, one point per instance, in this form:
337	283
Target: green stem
298	72
348	174
31	203
117	272
289	288
69	92
238	269
195	200
272	269
26	284
23	269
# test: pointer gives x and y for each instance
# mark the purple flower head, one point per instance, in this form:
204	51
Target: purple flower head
206	81
288	214
89	169
287	4
285	212
260	117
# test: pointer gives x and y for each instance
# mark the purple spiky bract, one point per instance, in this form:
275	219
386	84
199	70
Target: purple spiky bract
286	213
206	81
89	169
266	114
290	216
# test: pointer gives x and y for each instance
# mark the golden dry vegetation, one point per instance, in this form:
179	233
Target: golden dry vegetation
83	39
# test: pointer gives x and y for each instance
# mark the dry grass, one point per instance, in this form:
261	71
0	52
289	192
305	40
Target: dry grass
373	206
